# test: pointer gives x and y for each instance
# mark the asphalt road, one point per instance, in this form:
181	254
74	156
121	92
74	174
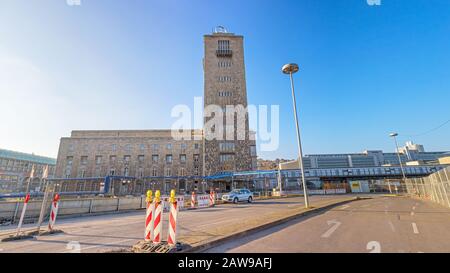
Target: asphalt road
119	231
385	224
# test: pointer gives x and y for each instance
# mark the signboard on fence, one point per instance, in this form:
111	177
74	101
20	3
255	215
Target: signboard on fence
203	201
165	200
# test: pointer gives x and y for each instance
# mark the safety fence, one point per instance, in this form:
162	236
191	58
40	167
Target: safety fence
435	187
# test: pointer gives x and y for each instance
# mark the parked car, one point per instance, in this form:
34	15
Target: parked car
238	195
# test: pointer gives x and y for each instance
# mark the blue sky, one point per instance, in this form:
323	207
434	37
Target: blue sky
116	64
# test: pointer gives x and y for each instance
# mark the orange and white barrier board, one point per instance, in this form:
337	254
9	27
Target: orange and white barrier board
157	222
54	212
212	199
149	221
193	200
172	234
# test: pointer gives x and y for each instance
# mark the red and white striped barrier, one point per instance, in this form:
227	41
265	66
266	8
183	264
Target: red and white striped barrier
25	203
172	234
54	212
193	199
158	219
212	200
149	218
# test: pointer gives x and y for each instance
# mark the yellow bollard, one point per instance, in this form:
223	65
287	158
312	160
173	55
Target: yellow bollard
172	196
149	196
157	196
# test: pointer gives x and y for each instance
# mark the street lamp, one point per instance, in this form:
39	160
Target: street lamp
394	135
291	69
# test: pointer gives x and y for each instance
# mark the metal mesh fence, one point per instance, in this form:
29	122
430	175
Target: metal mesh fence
435	187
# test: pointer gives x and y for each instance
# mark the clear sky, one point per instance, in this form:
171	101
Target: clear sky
121	64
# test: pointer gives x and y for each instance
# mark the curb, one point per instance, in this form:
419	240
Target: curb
253	230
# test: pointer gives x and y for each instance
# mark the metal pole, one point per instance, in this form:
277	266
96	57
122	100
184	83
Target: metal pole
305	190
43	207
399	159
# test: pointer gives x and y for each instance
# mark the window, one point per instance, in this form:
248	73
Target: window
98	160
226	158
169	159
112	159
84	160
155	158
196	170
126	171
126	158
225	94
196	158
112	171
71	147
168	172
140	173
98	172
183	158
226	147
154	172
252	150
196	146
128	147
69	160
169	146
141	159
224	79
155	147
182	172
183	147
114	147
142	147
82	173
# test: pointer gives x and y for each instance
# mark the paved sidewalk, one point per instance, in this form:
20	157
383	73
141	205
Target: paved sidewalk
196	227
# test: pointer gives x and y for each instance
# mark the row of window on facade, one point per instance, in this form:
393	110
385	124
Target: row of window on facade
225	94
142	147
22	166
126	172
127	159
224	64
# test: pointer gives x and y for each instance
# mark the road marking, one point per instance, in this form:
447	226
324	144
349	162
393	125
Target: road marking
392	226
109	244
365	206
374	246
415	229
414	208
412	213
345	207
335	226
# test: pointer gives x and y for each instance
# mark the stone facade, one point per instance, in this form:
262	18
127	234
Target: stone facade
225	85
15	169
154	156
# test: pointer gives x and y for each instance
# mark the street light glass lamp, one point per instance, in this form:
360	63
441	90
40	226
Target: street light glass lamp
290	68
393	134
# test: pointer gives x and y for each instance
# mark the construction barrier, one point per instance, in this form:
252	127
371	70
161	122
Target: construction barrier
172	234
25	203
150	211
54	212
158	218
166	202
212	199
193	199
203	201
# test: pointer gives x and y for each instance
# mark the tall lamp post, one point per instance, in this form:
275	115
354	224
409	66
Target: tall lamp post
394	135
291	69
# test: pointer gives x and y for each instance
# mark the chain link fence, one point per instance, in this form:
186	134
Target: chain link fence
435	187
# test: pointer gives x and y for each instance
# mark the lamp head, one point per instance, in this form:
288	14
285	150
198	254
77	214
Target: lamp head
290	68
